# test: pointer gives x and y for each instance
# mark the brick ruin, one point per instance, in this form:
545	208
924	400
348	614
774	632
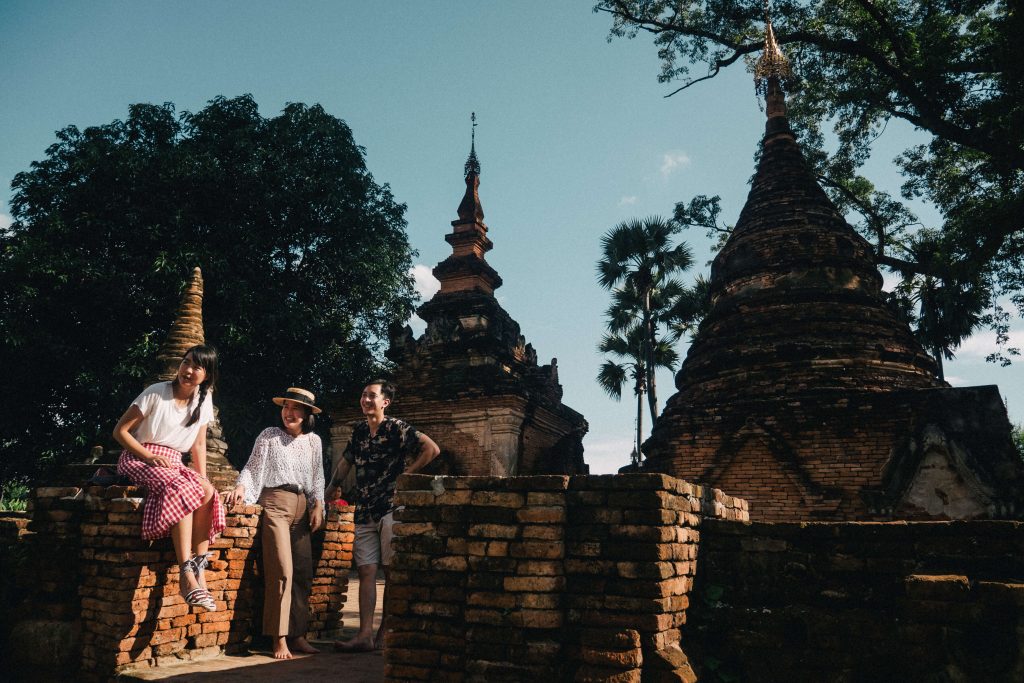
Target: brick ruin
470	380
643	577
78	575
858	601
105	601
802	392
545	578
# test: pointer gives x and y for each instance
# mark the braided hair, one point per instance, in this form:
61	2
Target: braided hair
205	356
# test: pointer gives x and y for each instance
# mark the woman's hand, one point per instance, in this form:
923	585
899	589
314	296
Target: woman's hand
234	497
316	517
158	460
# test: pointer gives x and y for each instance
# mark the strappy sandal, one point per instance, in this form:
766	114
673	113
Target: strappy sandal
197	597
202	562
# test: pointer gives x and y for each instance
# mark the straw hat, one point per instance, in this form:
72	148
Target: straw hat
298	395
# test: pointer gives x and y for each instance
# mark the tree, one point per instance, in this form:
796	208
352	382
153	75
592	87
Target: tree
304	256
629	347
1017	434
949	68
640	255
947	311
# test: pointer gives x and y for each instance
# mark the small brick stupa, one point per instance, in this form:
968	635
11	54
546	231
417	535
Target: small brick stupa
471	381
187	331
802	393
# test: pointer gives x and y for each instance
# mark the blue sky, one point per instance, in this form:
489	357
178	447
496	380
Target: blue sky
574	136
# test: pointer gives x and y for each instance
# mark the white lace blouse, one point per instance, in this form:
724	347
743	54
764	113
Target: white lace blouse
280	459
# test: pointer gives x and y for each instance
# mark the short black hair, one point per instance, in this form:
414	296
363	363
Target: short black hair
308	422
387	388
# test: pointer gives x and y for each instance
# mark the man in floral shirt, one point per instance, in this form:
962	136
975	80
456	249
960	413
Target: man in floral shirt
378	450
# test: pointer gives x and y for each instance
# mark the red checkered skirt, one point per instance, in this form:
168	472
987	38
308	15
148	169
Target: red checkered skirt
171	492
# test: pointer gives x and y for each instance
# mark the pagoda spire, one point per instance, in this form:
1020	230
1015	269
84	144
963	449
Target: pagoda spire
186	330
772	72
466	269
470	210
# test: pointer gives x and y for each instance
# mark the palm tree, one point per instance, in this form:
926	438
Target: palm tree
949	309
629	346
639	255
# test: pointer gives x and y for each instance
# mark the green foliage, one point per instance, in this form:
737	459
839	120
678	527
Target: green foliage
1017	433
13	496
949	68
304	256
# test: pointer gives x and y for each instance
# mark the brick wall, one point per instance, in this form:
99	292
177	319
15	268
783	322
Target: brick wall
544	577
845	456
90	565
935	601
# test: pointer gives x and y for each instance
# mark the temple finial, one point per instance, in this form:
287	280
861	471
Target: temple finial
772	71
472	163
470	210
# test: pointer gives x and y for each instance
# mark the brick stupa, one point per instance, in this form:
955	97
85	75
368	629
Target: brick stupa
187	331
470	380
802	393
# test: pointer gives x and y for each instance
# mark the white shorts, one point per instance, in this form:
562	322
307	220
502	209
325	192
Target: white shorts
373	542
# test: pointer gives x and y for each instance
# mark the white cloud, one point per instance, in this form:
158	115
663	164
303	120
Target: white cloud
628	201
672	162
426	284
5	221
984	342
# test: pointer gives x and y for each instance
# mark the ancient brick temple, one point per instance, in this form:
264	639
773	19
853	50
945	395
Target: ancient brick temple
802	393
471	381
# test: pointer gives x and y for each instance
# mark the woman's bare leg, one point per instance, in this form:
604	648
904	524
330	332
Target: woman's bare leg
203	518
181	536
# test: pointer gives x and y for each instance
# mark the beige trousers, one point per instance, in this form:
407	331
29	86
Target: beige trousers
287	563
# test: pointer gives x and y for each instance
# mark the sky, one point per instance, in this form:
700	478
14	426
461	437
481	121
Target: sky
574	135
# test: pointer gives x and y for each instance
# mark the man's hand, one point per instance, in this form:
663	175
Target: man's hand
428	451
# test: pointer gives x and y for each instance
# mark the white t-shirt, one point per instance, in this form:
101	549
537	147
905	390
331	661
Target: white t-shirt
163	422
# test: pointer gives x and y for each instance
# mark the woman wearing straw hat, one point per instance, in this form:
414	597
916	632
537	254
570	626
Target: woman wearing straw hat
285	475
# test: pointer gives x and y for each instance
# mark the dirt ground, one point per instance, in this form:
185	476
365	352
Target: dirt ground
258	665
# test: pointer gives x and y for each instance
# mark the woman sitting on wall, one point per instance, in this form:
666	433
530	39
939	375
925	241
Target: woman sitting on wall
166	419
285	474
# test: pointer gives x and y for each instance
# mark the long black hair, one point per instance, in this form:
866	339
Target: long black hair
205	356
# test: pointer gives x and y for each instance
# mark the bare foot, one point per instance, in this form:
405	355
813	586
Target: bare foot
302	646
281	649
356	644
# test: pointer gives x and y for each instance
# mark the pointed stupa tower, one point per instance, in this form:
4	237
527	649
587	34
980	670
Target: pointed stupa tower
187	331
470	380
801	387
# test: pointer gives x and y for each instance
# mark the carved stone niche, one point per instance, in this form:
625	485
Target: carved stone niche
498	432
943	485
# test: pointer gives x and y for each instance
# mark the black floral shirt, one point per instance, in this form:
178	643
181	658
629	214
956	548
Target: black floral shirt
378	460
